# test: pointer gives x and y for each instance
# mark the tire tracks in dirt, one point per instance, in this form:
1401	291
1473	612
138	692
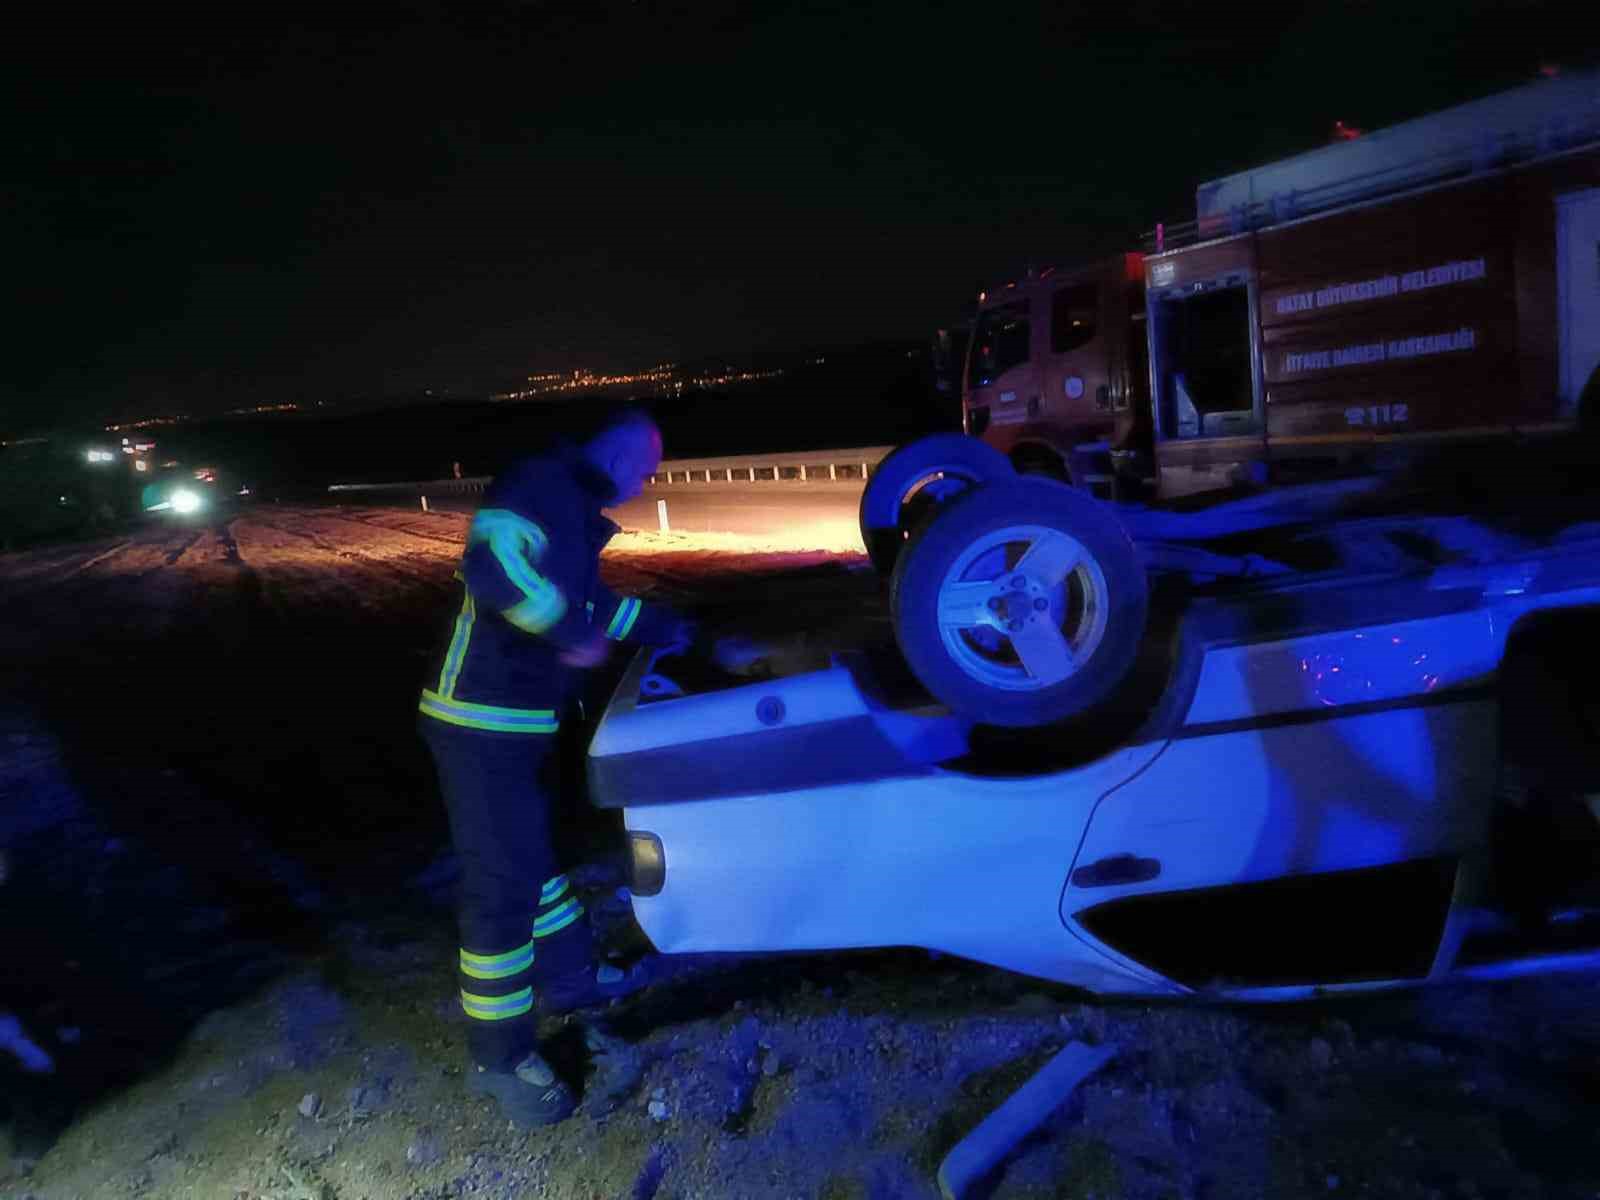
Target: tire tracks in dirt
174	555
456	542
101	557
294	563
426	577
71	584
136	591
53	574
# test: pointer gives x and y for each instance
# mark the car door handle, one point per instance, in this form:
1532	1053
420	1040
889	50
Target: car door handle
1115	871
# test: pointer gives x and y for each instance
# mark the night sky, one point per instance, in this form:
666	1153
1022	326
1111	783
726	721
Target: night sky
238	207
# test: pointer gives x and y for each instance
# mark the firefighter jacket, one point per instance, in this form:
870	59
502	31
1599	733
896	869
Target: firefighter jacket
531	588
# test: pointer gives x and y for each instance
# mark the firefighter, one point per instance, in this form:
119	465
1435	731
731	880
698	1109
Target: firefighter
533	616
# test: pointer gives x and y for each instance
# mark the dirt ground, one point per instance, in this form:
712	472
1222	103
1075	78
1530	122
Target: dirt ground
226	895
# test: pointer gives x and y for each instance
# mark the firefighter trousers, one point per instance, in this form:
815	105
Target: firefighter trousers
521	923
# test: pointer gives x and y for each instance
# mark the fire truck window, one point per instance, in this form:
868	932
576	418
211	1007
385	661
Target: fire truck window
1206	353
1000	342
1072	317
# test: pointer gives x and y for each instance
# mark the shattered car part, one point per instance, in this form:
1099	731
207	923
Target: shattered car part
975	1155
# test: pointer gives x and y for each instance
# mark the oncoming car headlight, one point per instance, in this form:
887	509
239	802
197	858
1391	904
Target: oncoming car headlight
184	500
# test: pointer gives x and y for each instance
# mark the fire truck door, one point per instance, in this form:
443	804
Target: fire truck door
1578	286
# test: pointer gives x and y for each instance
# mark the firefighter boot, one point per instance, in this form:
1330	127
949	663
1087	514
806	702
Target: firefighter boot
529	1094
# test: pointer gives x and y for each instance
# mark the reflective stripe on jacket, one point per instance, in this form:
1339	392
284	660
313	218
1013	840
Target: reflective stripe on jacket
531	588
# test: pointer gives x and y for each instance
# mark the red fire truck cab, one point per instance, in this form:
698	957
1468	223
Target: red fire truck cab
1056	373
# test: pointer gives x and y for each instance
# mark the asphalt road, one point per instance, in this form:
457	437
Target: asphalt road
757	510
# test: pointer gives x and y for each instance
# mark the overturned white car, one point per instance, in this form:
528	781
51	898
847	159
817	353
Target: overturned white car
1103	755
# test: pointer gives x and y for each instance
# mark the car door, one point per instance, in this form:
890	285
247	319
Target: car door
1306	822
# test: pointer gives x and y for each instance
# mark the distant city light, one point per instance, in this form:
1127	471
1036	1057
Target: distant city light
100	456
664	377
262	408
141	465
250	410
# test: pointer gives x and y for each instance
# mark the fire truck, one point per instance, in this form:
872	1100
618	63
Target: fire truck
1429	285
1057	378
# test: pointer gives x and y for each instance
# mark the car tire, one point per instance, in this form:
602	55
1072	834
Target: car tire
915	480
1020	604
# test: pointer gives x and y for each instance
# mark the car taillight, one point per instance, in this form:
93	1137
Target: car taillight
647	864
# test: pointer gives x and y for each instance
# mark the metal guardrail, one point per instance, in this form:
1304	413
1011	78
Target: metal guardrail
805	466
440	487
